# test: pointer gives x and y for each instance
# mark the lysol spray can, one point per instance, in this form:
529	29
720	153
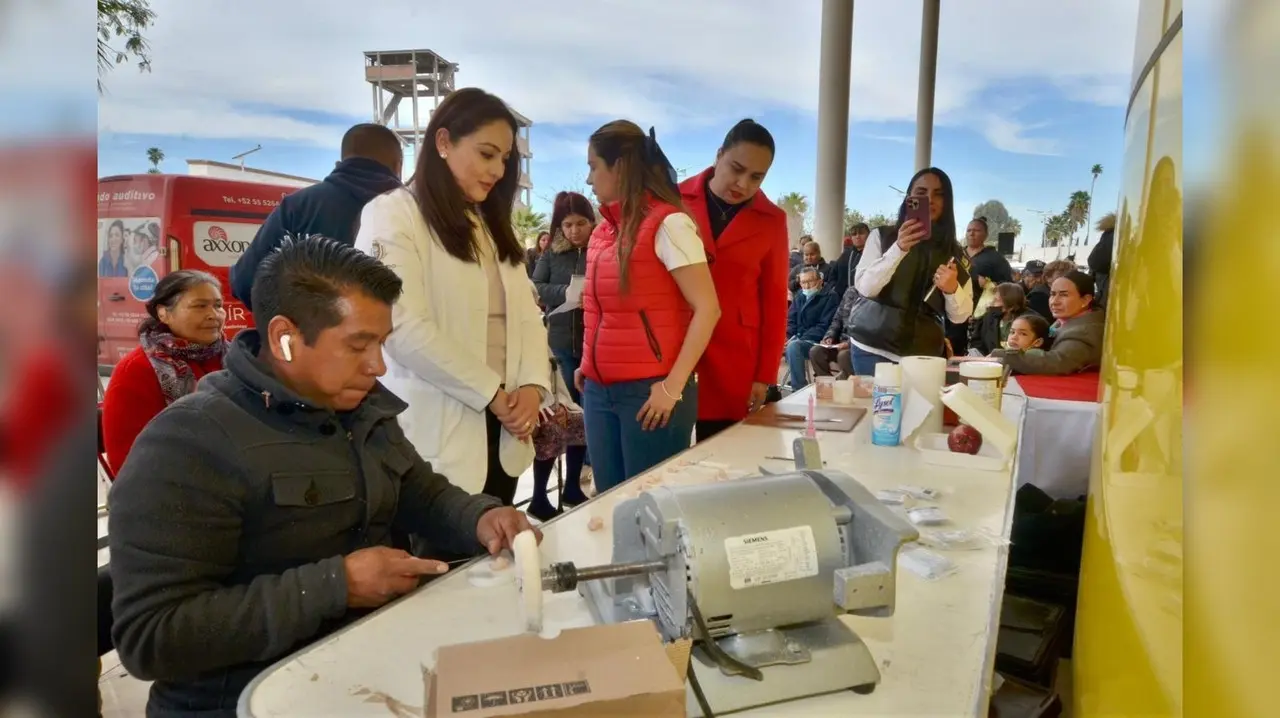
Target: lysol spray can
886	405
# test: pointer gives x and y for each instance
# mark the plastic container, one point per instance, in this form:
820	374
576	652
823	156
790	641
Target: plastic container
999	434
886	405
824	387
984	378
863	386
842	391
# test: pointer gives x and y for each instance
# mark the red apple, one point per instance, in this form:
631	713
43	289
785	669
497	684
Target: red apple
964	439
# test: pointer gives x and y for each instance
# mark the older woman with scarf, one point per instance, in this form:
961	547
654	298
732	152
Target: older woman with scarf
180	342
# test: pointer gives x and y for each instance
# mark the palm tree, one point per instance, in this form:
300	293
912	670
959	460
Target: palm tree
1077	212
1057	229
1095	171
528	223
796	206
155	156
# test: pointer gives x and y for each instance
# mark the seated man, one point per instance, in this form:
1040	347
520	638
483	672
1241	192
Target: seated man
810	315
253	516
834	346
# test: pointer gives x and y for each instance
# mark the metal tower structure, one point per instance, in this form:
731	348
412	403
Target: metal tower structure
422	76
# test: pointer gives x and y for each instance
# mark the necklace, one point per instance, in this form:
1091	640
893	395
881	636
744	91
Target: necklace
723	209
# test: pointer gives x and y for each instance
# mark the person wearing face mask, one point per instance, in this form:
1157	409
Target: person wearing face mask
469	351
910	279
745	236
254	516
811	313
180	341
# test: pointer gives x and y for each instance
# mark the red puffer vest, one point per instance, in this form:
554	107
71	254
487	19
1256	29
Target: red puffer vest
636	334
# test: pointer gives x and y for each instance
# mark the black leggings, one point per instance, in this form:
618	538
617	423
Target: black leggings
497	482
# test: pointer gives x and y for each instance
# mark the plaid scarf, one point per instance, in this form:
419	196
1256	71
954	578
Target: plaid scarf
170	357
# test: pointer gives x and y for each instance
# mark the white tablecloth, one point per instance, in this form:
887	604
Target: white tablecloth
1057	444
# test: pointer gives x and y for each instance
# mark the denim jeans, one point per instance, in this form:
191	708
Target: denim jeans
619	448
797	353
569	364
864	362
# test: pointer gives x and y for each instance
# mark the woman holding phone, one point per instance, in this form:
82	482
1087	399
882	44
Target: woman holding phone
910	277
649	308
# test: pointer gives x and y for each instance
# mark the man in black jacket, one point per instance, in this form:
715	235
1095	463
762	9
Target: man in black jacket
840	274
254	515
372	158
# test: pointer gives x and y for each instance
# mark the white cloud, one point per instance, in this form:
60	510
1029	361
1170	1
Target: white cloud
670	63
900	139
1010	136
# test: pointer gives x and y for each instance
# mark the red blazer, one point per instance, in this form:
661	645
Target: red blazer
133	399
749	265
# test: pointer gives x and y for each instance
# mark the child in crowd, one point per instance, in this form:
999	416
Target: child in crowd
1029	332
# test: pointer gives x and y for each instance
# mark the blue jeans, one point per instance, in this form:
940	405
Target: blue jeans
863	361
797	353
619	448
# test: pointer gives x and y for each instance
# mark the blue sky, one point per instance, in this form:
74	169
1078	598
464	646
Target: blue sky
1029	96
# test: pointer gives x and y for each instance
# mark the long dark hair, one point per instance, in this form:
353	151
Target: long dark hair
643	171
169	291
568	203
944	229
441	200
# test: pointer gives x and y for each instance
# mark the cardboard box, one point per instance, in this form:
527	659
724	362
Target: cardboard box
611	670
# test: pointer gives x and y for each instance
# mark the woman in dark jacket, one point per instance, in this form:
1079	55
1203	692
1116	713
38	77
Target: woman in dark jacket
534	253
572	220
992	330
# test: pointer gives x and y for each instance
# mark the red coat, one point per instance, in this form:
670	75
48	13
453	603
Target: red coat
133	399
635	334
749	266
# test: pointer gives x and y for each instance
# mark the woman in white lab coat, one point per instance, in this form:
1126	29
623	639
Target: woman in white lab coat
468	352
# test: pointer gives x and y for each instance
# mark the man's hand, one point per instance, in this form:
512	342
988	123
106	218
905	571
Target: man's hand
579	380
946	278
378	574
498	528
759	390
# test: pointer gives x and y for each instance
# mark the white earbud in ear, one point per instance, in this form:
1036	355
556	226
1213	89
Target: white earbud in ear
285	347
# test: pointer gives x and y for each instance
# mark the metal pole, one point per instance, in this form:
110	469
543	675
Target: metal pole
928	77
835	55
417	131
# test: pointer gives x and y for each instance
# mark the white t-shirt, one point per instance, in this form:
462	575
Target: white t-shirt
677	243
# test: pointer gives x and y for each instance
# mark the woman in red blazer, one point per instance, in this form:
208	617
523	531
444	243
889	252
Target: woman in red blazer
746	242
180	342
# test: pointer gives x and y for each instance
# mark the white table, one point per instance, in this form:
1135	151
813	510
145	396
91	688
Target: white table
1057	443
936	653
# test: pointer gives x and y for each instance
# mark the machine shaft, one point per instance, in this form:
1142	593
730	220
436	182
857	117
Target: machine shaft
562	577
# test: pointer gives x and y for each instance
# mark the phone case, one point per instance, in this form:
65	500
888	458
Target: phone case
918	209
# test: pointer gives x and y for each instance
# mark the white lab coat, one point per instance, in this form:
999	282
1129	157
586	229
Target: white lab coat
436	354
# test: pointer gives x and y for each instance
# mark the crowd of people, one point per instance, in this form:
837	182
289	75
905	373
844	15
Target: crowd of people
411	359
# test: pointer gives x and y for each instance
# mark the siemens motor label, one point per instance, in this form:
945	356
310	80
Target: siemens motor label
768	557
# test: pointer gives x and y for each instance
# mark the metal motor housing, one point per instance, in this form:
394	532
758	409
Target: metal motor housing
784	515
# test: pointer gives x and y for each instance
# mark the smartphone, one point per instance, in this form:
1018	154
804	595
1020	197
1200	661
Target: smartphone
918	209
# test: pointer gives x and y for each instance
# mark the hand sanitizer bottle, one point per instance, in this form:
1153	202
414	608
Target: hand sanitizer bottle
886	405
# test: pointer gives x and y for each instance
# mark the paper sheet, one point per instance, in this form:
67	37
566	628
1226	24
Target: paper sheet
572	296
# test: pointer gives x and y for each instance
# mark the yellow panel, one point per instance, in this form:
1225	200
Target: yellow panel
1128	656
1151	26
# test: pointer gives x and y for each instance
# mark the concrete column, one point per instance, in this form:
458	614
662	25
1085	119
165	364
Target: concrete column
928	77
835	56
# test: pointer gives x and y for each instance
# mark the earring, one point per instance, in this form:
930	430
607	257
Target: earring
444	155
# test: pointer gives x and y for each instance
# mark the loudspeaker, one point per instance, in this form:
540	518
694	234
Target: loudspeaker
1004	243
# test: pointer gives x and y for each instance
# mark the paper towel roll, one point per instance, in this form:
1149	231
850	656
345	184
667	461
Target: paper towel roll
922	380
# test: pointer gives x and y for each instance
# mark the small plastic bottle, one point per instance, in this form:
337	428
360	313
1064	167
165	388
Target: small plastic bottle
886	405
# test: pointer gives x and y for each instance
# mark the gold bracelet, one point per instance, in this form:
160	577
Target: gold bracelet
663	384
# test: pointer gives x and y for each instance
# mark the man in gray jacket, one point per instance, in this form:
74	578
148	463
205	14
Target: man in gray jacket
254	516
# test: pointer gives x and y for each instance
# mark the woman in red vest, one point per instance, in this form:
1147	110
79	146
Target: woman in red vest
746	243
650	307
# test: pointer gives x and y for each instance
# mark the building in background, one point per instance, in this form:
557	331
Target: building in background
424	78
240	173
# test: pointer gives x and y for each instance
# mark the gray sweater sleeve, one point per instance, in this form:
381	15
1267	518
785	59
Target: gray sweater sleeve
437	510
1068	355
176	512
